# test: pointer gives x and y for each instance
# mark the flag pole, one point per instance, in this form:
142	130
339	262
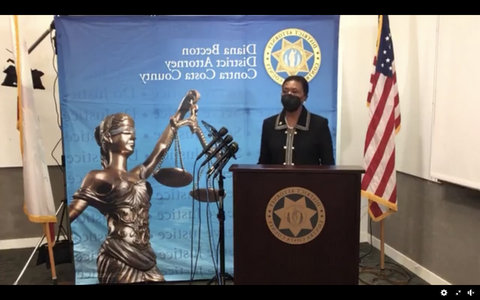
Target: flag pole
50	243
382	245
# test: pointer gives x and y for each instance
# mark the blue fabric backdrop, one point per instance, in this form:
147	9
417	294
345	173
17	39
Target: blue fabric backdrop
144	65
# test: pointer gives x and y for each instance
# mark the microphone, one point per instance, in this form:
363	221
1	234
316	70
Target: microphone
217	135
222	161
225	141
210	128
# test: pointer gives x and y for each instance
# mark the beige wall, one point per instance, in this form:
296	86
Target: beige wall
414	41
41	58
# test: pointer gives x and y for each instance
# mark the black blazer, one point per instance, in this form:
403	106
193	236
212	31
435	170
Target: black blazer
312	141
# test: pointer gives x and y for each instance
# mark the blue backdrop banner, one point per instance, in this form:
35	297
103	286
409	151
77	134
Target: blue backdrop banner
144	66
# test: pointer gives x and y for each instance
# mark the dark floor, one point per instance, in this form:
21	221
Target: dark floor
393	273
13	261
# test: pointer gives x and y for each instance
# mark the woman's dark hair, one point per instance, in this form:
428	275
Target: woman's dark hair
300	79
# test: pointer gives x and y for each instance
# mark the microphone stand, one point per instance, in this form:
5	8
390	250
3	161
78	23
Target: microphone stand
221	236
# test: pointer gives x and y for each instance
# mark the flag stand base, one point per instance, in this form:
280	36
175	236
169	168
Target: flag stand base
375	276
63	249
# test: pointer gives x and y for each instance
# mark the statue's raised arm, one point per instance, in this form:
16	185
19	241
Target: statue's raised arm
188	105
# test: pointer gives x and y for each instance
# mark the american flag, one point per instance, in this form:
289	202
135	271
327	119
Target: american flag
379	181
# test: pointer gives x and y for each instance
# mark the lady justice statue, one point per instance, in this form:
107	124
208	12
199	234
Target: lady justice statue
123	196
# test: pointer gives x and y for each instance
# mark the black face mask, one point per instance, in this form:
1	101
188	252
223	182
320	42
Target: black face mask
291	102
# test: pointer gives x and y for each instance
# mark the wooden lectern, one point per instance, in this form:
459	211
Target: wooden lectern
296	224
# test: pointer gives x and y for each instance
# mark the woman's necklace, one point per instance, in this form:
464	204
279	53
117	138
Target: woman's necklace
288	125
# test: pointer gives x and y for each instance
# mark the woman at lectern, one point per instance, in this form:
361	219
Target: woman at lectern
123	196
296	136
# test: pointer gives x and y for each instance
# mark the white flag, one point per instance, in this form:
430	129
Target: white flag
38	197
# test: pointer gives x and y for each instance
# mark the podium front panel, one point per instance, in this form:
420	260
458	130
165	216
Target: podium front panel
331	257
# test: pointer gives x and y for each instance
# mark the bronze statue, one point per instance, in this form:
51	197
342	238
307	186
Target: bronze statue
123	195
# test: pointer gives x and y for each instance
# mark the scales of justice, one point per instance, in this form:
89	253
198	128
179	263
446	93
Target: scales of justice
221	148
